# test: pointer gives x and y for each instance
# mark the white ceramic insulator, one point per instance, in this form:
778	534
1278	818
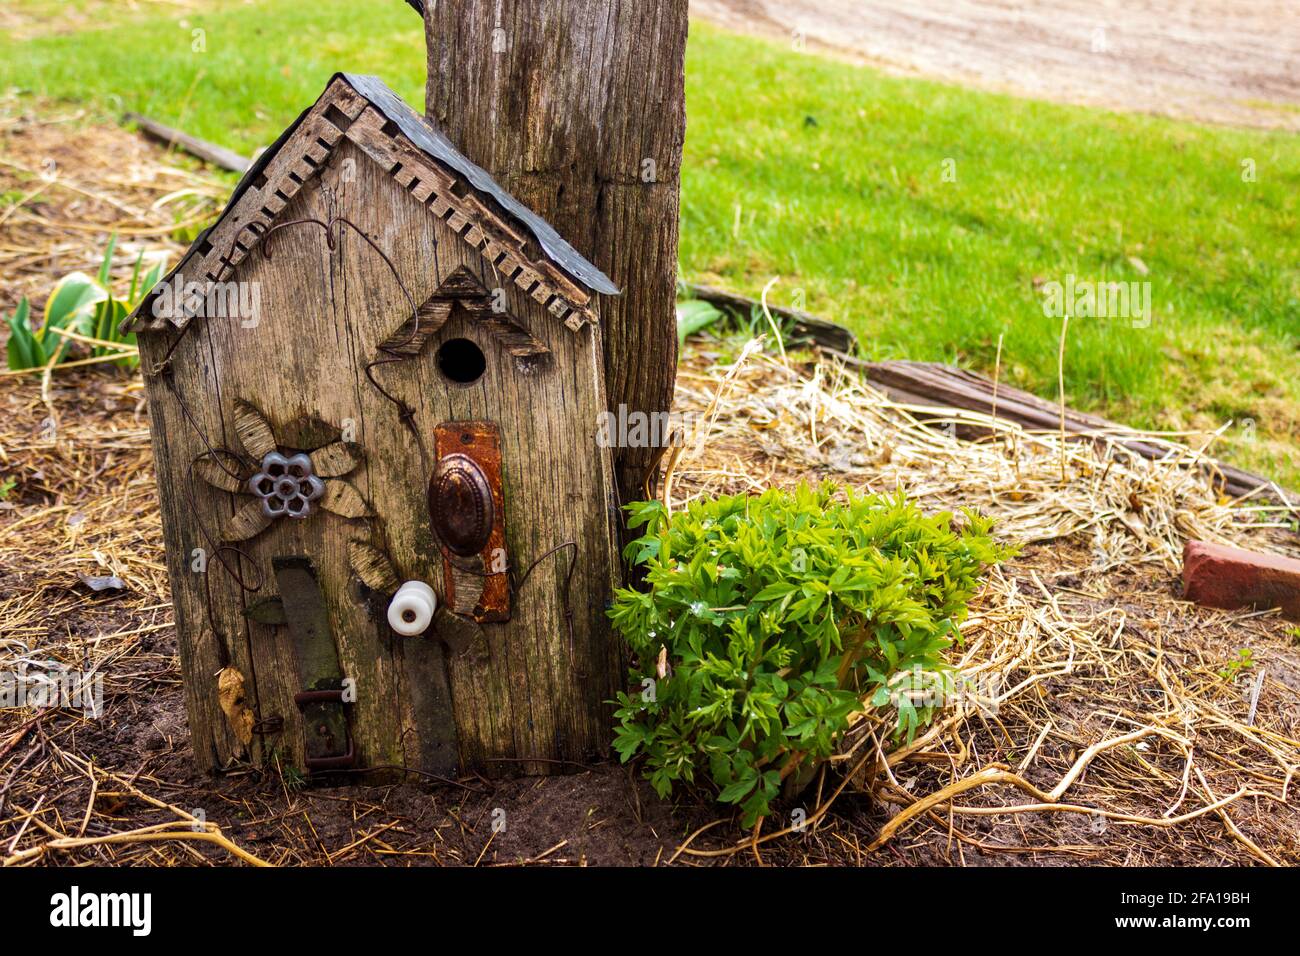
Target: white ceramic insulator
411	610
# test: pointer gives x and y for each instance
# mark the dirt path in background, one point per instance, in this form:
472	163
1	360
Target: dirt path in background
1222	61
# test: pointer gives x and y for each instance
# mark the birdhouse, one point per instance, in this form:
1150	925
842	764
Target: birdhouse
375	386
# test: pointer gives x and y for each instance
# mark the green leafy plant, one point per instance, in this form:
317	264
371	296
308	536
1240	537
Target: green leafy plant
1233	668
291	777
694	315
111	310
36	348
21	350
767	621
84	305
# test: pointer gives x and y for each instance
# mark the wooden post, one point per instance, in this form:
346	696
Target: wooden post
577	108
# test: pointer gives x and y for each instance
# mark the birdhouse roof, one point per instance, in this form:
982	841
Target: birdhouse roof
521	244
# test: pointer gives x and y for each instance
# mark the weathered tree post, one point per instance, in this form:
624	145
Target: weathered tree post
577	108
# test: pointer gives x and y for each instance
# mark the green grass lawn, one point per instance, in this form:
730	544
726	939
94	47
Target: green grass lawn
832	178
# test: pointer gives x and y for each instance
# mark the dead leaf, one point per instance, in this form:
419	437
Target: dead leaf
246	522
211	472
234	704
372	566
268	610
335	459
253	431
456	631
341	498
308	432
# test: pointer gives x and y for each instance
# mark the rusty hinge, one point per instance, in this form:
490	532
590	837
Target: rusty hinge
327	741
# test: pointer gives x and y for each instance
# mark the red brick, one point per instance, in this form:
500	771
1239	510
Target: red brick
1219	576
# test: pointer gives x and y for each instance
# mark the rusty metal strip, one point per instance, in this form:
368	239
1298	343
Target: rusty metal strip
477	586
327	743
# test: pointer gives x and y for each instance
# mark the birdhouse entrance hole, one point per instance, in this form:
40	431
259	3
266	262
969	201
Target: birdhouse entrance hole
461	361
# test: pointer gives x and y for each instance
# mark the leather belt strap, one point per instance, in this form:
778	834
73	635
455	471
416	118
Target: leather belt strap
327	743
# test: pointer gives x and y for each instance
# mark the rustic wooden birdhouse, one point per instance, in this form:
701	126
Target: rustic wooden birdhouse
375	386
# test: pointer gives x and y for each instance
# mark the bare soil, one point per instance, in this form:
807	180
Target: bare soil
1222	61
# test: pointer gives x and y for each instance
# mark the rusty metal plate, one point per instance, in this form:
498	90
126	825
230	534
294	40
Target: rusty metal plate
468	511
328	743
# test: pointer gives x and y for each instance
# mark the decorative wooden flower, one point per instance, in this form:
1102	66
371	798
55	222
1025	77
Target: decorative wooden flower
285	485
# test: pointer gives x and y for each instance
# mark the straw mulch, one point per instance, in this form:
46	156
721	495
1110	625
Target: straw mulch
66	184
1103	723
